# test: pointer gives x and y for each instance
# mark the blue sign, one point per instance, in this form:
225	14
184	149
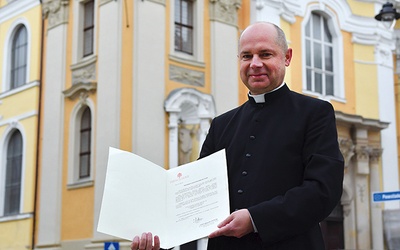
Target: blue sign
386	196
111	245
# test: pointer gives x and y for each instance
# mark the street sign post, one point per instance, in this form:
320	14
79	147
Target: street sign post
386	196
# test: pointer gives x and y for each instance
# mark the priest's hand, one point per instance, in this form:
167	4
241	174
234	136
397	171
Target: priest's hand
237	224
145	242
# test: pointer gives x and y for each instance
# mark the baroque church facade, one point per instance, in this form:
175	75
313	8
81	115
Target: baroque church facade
148	76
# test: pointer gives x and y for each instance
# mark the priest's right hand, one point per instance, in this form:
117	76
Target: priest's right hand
145	242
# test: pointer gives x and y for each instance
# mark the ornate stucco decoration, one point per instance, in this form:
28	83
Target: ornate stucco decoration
362	152
225	11
346	146
287	9
80	90
83	79
56	11
84	71
375	154
187	76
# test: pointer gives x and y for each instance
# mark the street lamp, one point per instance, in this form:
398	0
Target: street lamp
388	15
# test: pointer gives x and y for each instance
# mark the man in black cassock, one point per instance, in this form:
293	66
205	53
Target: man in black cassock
285	168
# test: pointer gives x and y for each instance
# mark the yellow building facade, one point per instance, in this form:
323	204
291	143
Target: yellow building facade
139	76
20	68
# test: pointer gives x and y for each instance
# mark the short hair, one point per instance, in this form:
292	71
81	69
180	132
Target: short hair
280	36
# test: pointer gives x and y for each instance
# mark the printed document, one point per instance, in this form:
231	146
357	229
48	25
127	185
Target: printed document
179	205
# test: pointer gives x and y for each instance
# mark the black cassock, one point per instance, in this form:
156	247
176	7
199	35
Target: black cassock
284	166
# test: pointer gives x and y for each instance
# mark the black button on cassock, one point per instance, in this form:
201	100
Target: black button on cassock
240	191
244	173
248	155
252	137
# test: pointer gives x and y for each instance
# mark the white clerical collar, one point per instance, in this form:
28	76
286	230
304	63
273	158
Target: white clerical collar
261	97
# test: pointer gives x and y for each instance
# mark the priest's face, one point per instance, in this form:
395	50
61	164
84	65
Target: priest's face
263	58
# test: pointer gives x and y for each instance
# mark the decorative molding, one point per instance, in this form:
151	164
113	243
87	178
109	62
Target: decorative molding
187	76
346	146
375	154
13	123
56	11
187	106
360	122
80	89
225	11
204	102
362	164
384	55
362	153
84	72
287	9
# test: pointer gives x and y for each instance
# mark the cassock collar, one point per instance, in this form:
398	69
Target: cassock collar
262	98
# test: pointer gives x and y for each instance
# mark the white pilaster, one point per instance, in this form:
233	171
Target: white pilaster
107	131
149	80
50	186
376	208
362	197
387	113
224	70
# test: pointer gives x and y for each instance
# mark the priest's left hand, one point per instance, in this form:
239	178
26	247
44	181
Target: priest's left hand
237	224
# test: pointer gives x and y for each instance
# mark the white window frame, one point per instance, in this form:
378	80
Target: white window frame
198	35
338	58
13	126
6	86
74	146
78	43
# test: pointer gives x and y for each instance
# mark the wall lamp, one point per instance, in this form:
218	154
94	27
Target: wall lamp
388	15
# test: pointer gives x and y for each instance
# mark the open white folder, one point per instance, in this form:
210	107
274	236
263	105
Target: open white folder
179	205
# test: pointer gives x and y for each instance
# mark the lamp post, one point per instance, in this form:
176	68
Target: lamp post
388	15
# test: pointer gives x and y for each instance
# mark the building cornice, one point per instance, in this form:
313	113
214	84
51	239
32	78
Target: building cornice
359	121
16	8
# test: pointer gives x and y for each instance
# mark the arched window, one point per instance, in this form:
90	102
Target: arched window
319	56
19	50
12	194
85	142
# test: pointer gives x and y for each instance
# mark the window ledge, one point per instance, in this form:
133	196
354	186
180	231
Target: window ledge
80	184
19	89
324	97
16	217
84	62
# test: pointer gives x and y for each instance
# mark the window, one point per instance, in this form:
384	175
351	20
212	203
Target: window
85	141
320	77
88	28
80	148
12	189
19	58
184	26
